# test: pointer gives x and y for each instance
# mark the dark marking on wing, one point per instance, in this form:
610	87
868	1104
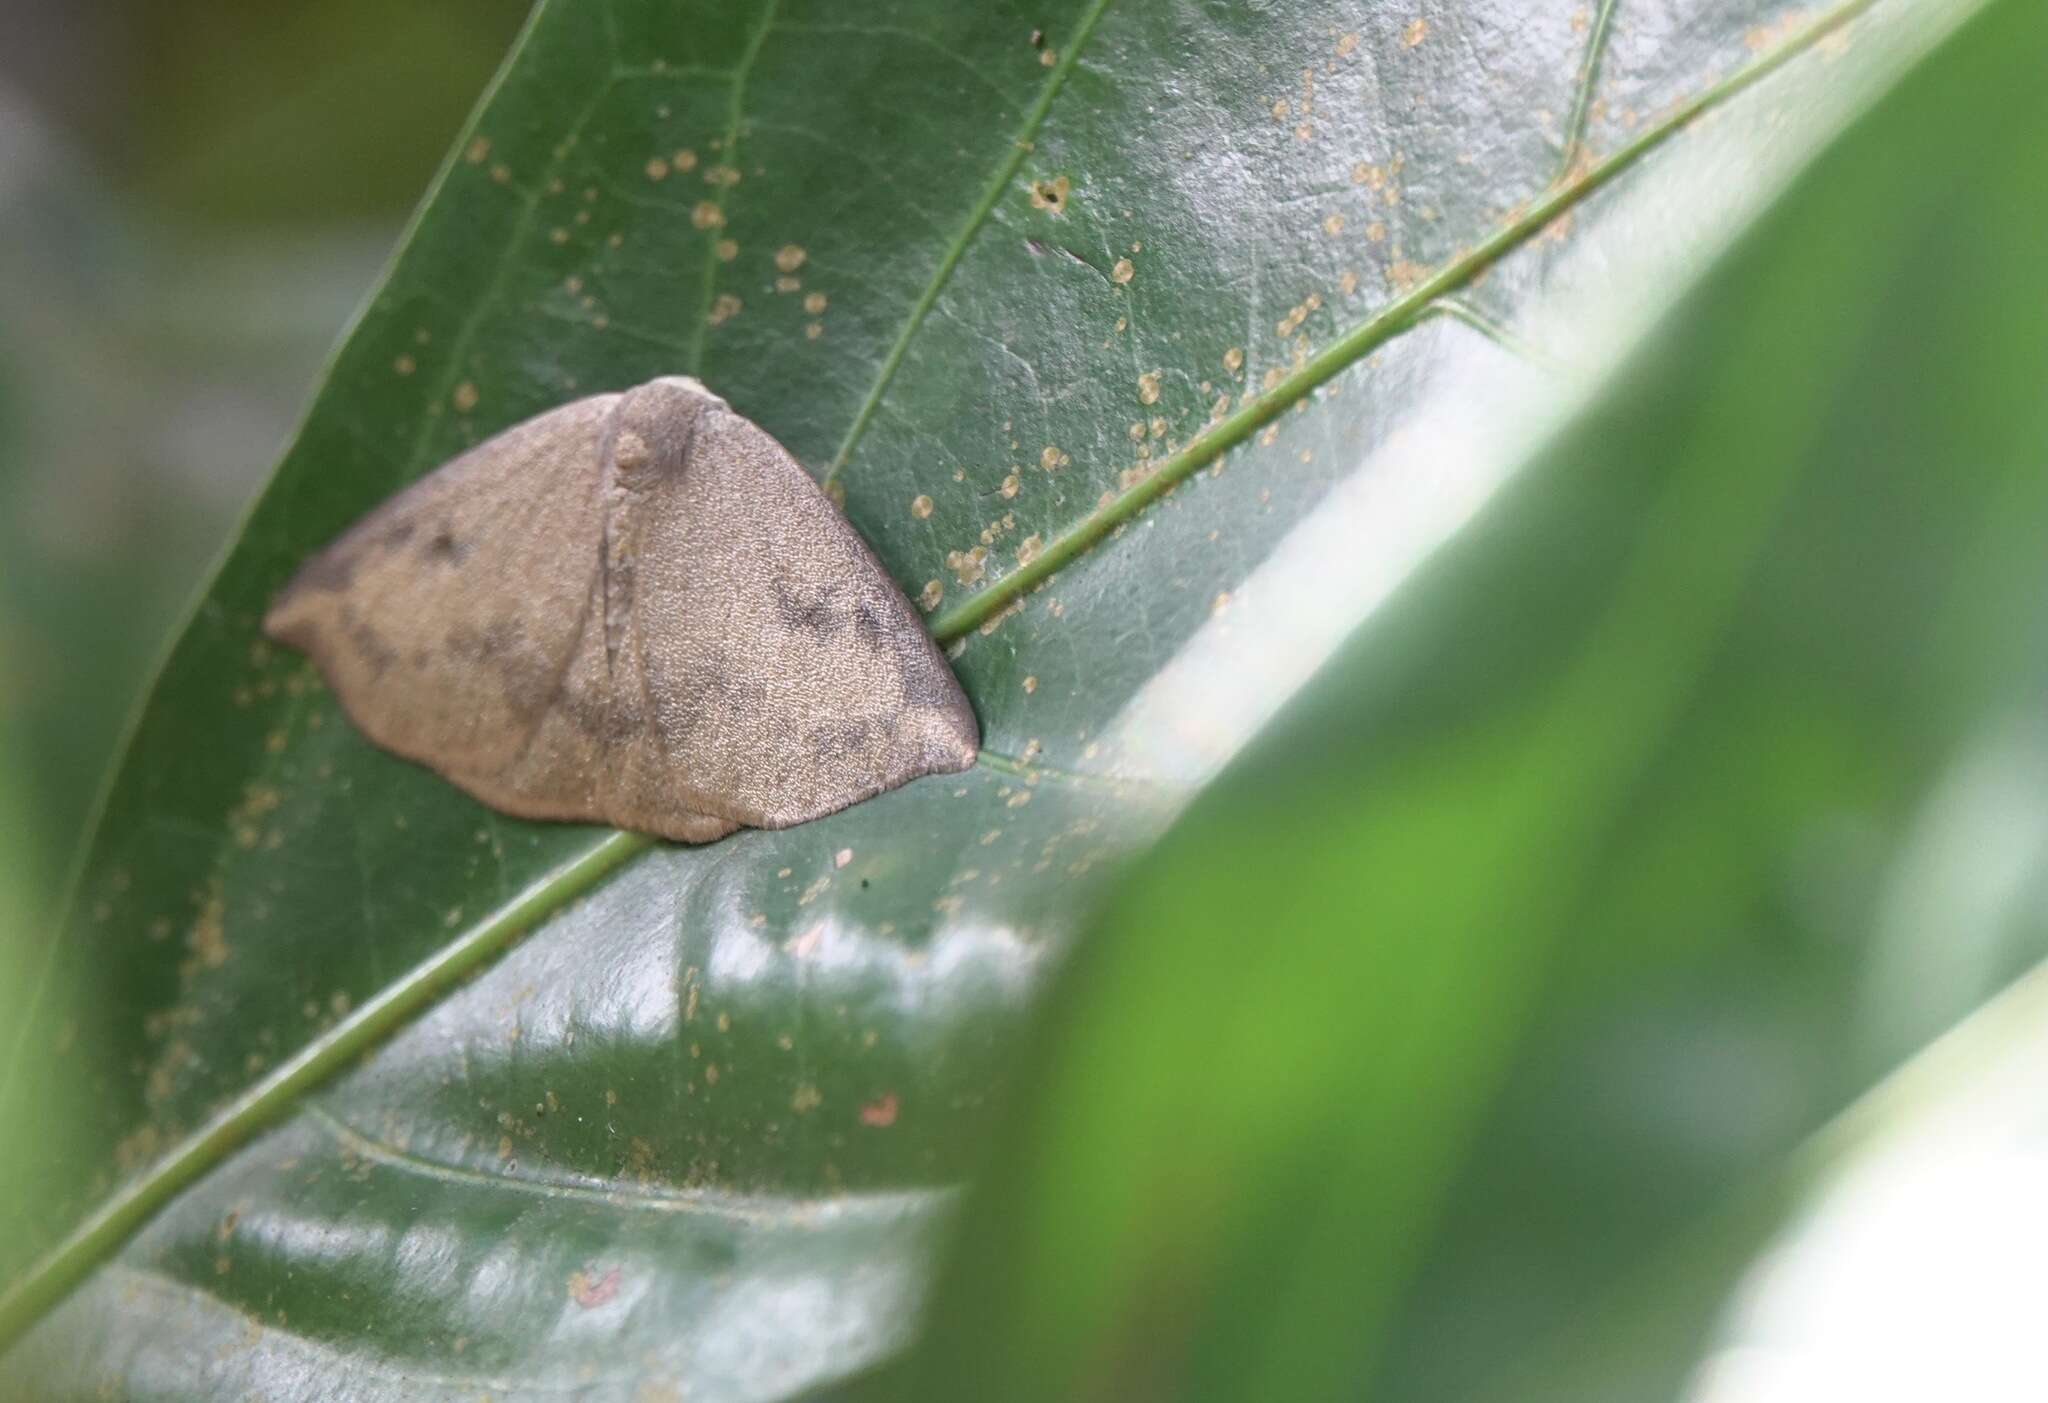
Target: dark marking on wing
529	680
608	716
927	687
818	614
841	740
867	625
368	643
699	702
483	645
445	548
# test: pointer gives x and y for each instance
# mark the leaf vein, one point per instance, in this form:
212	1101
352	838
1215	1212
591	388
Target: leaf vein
1382	326
1020	146
757	1210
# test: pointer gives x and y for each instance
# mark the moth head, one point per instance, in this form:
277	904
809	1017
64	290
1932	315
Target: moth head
650	431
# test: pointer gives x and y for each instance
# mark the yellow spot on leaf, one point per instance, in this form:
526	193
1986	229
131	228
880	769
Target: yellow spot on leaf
1404	275
1767	36
967	566
1051	194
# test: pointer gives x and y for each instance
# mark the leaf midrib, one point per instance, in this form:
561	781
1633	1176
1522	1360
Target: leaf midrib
1382	326
102	1232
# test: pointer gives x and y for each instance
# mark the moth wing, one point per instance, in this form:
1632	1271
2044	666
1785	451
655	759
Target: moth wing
635	608
446	620
785	674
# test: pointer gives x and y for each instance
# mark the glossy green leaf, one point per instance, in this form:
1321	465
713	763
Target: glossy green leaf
1013	281
1465	1037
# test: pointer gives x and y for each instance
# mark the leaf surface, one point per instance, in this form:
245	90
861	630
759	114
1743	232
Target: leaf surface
992	273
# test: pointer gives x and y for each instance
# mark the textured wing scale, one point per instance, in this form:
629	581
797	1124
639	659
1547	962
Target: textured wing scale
445	618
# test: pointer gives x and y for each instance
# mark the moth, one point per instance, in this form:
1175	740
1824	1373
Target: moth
634	609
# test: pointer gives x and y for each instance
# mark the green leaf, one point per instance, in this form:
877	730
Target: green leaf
994	273
1465	1038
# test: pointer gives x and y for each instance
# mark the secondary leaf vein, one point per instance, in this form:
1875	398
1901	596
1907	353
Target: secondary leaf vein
1005	173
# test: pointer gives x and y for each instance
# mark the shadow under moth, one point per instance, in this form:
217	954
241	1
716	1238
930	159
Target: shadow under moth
634	609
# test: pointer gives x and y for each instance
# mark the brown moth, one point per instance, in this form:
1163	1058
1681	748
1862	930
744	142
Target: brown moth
635	609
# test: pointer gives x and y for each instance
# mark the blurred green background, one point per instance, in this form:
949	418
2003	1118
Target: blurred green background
194	196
